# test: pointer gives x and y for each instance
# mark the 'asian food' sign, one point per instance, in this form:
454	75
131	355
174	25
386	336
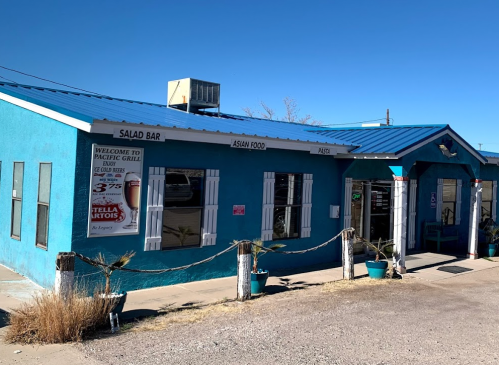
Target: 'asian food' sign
115	186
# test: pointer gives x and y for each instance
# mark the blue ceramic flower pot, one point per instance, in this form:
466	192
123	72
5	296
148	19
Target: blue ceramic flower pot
258	282
492	249
376	270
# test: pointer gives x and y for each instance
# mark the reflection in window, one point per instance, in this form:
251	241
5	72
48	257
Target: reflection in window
183	208
17	195
287	205
486	210
42	215
449	201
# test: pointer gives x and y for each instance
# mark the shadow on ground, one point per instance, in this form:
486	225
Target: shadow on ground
4	319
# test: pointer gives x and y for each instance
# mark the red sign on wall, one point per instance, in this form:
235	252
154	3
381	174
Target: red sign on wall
238	209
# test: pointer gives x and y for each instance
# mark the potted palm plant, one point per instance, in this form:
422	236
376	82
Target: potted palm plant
492	234
376	268
258	276
107	270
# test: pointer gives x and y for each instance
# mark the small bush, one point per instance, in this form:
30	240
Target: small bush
49	318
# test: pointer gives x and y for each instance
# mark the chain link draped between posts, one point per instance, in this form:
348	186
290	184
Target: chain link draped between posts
185	267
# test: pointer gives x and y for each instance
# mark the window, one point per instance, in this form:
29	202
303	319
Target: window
287	206
183	208
17	196
42	214
449	201
487	197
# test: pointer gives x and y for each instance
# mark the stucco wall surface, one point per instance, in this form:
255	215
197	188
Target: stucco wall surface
31	138
241	183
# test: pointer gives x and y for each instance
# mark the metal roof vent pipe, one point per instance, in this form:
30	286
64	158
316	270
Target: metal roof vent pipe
192	96
387	122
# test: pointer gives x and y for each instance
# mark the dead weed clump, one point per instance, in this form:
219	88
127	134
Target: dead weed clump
50	318
334	286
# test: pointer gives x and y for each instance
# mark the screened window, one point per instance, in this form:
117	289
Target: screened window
42	215
17	197
183	208
287	206
449	201
486	211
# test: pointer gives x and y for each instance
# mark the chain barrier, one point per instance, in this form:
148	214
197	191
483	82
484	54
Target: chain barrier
307	250
160	271
232	246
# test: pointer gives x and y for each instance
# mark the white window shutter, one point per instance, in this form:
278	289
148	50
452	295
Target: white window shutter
412	213
458	201
494	200
440	198
306	212
210	208
347	217
154	221
268	206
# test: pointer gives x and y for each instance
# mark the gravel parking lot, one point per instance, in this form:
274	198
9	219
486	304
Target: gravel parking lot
410	321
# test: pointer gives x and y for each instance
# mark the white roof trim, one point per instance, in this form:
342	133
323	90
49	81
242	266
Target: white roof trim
49	113
368	156
492	160
191	135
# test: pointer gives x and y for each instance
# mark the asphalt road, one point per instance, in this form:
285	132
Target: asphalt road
451	321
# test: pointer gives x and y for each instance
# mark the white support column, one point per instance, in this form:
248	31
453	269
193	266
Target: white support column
400	222
475	206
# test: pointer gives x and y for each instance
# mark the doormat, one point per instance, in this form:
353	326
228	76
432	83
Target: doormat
454	269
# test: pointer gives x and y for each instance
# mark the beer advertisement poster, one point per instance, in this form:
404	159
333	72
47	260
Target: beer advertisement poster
115	186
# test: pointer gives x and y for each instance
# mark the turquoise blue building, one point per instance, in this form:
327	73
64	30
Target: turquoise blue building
95	174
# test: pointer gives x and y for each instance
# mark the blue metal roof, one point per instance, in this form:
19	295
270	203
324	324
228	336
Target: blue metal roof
489	154
88	107
383	139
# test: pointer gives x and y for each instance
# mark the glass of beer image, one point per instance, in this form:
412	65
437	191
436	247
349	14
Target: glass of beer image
131	193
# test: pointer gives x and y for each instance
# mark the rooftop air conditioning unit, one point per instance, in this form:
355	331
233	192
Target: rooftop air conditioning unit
191	95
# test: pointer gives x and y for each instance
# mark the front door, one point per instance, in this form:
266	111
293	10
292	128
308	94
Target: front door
372	213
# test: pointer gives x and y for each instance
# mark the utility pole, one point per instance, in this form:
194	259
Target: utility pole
387	116
480	146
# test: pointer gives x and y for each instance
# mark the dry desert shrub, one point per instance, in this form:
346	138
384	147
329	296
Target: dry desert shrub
49	318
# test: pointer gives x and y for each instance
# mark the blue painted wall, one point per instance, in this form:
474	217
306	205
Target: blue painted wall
241	182
431	164
31	138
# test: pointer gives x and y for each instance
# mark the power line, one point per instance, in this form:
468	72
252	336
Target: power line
8	79
54	82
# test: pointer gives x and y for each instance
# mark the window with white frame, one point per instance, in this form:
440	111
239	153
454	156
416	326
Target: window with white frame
17	197
183	208
42	212
449	199
287	205
487	198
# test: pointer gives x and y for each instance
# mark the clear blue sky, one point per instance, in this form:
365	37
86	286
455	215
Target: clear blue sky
429	61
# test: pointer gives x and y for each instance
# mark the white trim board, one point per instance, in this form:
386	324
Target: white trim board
189	135
49	113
